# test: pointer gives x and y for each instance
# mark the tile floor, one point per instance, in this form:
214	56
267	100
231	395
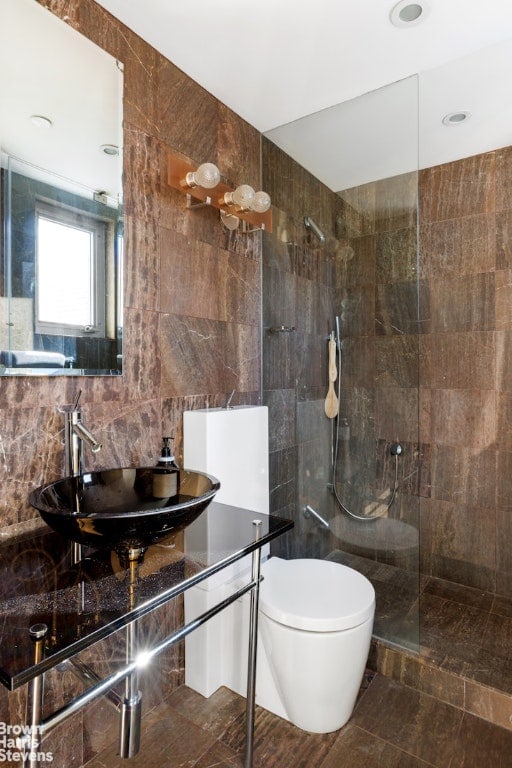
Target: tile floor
393	726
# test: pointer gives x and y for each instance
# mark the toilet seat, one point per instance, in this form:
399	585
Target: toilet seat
293	593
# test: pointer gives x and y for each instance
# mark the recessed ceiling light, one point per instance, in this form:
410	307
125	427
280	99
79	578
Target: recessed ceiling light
407	14
109	149
40	121
456	118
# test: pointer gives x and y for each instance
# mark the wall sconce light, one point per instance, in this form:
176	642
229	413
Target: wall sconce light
239	204
207	176
242	197
261	202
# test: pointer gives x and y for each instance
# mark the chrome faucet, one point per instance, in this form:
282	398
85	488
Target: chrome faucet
76	433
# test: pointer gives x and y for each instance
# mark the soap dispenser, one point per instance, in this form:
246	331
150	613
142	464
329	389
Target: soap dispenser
166	476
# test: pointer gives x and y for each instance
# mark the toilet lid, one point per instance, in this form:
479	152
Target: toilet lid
315	595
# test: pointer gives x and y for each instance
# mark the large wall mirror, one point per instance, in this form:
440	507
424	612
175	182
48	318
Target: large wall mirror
61	198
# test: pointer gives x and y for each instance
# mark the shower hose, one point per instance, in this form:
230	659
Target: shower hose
336	433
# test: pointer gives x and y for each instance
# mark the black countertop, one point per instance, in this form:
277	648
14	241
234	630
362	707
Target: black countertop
86	602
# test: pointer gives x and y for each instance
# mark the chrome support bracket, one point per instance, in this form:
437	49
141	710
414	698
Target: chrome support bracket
192	205
253	648
32	740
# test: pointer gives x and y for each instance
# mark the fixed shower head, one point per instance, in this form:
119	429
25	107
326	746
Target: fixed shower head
310	224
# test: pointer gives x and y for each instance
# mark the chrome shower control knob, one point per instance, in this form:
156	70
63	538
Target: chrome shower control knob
396	449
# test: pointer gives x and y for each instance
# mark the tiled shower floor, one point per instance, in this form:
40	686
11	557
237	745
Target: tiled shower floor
464	631
393	726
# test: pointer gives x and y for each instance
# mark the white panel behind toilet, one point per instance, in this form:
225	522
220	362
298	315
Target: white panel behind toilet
232	445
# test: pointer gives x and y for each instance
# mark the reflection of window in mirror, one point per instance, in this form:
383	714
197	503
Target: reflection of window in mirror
71	256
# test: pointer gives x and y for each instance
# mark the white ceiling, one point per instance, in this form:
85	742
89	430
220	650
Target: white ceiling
275	61
49	69
286	65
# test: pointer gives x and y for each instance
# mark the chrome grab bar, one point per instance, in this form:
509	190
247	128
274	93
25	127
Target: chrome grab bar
310	512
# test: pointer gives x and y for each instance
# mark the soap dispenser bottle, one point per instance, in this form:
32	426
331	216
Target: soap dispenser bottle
166	476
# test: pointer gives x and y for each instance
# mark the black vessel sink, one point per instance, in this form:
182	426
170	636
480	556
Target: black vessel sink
116	508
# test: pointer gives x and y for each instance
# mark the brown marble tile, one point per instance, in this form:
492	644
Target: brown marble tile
396	256
279	300
278	360
479	743
397	361
503	604
465	303
355	262
457	189
503	360
488	704
460	533
219	756
192	356
141	264
241	365
238	146
281	411
503	299
187	115
283	478
358	311
277	743
214	714
193	277
459	593
502	486
396	416
451	633
165	733
396	308
464	417
359	210
503	171
504	240
444	247
242	298
409	720
32	453
396	202
358	364
356	748
141	169
458	360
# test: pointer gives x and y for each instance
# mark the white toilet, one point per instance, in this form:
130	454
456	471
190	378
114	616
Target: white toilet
315	627
315	617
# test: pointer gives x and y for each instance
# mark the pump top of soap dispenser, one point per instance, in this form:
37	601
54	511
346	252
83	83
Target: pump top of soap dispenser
167	455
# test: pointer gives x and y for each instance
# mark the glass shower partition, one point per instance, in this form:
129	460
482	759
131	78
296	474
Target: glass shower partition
347	471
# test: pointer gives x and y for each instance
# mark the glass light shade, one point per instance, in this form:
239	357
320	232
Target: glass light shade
206	176
243	196
261	202
229	220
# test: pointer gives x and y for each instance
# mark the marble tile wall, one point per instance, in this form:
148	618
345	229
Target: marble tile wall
439	382
464	360
366	274
192	296
192	289
299	290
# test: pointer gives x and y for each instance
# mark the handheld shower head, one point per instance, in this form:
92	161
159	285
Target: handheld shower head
310	224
